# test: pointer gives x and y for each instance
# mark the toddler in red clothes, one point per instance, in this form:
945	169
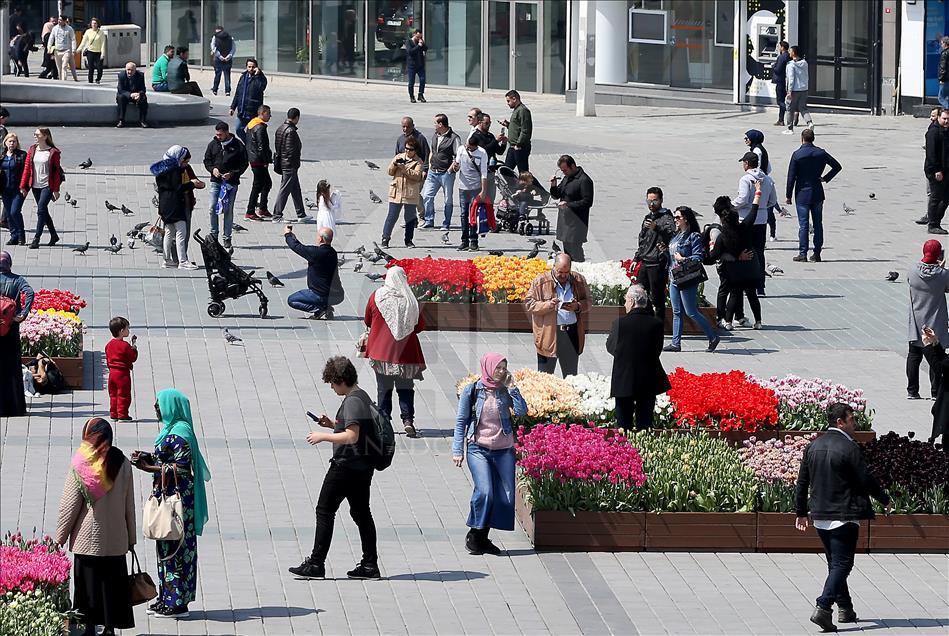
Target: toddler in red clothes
119	356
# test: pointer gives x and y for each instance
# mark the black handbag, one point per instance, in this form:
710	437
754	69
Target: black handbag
689	274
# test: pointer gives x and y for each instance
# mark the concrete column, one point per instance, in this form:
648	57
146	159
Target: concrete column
4	49
611	42
586	60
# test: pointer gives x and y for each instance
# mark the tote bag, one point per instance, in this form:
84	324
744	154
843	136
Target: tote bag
163	518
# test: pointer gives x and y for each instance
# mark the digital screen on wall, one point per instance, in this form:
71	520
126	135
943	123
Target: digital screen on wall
647	26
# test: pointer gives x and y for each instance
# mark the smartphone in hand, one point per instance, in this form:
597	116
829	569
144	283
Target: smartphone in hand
310	415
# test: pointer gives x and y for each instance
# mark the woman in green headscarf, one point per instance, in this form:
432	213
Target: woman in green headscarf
177	454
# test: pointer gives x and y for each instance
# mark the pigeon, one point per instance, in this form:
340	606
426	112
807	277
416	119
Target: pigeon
872	195
67	197
86	164
774	270
375	258
537	241
126	211
113	240
239	228
375	277
73	202
138	228
783	211
110	207
555	248
131	243
847	209
230	338
374	197
155	201
82	248
371	165
115	249
892	276
496	252
445	238
340	260
378	250
309	203
361	250
274	280
358	266
534	252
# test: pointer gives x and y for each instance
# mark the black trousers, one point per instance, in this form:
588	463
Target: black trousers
352	485
721	299
772	223
518	158
938	201
734	308
781	92
574	250
641	407
840	544
260	189
94	64
913	359
123	100
567	345
759	237
654	279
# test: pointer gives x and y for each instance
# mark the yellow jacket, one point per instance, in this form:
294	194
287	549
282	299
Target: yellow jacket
92	40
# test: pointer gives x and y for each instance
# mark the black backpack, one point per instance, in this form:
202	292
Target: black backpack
381	448
707	242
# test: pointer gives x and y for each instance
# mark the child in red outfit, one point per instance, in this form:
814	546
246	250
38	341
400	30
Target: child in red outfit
119	356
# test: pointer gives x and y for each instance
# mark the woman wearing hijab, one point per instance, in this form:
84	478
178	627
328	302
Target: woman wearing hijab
754	139
178	455
393	349
173	186
14	287
485	410
97	517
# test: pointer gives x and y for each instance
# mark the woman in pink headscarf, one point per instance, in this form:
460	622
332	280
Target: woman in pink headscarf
485	410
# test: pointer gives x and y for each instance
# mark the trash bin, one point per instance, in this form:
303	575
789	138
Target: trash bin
123	44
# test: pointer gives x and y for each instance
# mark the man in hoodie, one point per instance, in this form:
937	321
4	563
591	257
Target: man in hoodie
745	198
248	97
936	169
805	179
445	145
797	85
754	139
222	52
779	77
657	230
259	156
286	163
928	282
226	160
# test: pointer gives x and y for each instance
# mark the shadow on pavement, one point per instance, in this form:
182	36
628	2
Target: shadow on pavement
440	575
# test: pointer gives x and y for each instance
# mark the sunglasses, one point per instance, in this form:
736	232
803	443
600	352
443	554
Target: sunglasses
677	217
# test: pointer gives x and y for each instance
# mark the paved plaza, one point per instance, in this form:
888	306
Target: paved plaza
838	319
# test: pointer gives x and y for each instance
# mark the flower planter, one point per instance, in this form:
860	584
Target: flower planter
736	438
909	533
584	531
689	327
71	369
701	531
776	533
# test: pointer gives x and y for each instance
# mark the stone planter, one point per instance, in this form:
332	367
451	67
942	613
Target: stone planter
701	531
909	533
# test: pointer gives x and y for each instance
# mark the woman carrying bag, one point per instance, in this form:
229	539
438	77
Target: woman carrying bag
91	46
406	171
173	187
97	518
178	467
485	410
684	252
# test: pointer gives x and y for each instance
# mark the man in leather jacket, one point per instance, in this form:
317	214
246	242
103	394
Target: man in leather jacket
287	152
259	155
656	231
943	72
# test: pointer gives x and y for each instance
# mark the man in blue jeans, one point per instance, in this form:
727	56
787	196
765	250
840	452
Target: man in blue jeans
415	48
226	160
444	147
805	179
322	263
222	52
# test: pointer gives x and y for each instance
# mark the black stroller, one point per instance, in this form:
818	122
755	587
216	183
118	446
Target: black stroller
506	208
226	280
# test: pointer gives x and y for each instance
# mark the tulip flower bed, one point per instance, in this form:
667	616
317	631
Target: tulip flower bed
34	586
803	402
53	327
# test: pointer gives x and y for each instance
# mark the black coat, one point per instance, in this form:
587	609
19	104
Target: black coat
258	145
635	342
937	358
19	160
943	72
834	483
287	148
172	201
128	85
936	151
226	157
249	95
415	54
574	218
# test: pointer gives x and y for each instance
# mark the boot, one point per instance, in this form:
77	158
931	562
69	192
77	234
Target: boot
846	615
408	424
823	618
473	542
486	546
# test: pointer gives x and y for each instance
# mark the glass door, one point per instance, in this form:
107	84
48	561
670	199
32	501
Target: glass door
499	45
525	46
840	50
513	45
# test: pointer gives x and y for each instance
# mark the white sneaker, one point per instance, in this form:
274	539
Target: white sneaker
772	239
811	125
721	324
187	265
758	325
169	264
744	322
787	132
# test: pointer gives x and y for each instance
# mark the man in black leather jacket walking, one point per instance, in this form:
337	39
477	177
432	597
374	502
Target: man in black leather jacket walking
657	230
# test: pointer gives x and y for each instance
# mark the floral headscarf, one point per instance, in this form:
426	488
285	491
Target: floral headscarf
96	463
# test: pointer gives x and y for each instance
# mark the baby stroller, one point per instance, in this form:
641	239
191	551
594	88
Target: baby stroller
506	208
226	280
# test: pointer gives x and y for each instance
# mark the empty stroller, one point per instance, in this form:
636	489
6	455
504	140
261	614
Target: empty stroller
226	280
507	208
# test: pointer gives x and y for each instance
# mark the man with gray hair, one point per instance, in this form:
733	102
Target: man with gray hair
558	303
12	289
635	342
321	274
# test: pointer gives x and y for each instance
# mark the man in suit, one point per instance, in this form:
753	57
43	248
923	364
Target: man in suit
635	342
805	179
131	90
835	486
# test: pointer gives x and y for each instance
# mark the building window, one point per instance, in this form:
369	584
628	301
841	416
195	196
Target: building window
282	35
176	23
394	23
555	47
339	47
453	34
237	18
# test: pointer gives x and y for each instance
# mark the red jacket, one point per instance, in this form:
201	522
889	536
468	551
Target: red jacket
55	176
382	346
473	212
120	355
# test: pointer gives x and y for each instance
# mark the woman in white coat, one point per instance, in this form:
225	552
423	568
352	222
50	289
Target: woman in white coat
330	205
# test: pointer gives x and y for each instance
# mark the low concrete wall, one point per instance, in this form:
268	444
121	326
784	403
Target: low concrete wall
52	102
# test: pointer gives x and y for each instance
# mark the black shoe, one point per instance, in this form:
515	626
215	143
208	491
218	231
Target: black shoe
473	543
120	125
672	348
409	244
365	571
154	607
309	569
760	292
815	258
35	245
421	98
463	247
412	99
922	221
487	546
214	92
846	615
937	230
408	425
227	93
824	619
173	612
913	396
143	124
713	344
13	242
53	240
800	258
227	245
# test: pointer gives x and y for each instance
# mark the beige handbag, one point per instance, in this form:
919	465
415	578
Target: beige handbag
163	518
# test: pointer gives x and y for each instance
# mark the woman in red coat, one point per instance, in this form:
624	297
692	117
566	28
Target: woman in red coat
43	175
393	349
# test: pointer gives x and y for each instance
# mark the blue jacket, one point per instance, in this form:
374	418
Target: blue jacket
690	246
249	95
805	174
465	425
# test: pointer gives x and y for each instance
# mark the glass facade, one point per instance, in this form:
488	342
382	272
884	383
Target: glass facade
237	18
339	47
283	34
936	27
178	25
392	22
453	34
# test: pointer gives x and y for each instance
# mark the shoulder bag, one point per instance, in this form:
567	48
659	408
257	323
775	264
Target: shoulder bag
163	517
143	588
689	274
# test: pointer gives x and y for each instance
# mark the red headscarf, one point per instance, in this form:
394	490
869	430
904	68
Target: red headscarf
489	363
932	250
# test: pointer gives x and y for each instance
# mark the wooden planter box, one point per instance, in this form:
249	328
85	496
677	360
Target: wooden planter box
909	533
736	438
776	533
701	531
71	369
689	327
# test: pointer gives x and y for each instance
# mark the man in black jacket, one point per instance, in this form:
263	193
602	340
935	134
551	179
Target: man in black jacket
248	97
415	48
226	160
635	342
657	230
131	89
286	163
482	135
779	78
321	273
936	169
835	486
179	77
259	156
575	192
445	145
943	72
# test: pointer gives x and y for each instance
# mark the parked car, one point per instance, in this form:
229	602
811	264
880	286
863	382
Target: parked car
395	25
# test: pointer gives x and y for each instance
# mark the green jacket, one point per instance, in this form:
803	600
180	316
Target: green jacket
160	70
521	128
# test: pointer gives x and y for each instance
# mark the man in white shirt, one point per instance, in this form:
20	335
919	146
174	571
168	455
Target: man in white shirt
62	44
471	164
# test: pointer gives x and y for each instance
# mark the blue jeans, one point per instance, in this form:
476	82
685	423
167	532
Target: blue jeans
435	182
222	68
944	94
492	502
43	196
240	128
687	299
411	220
412	71
13	204
404	388
839	547
308	300
816	212
469	235
214	188
160	87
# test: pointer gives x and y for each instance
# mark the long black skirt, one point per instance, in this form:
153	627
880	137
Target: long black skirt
12	400
103	594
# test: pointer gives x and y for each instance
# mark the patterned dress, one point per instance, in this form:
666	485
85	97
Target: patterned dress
177	576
